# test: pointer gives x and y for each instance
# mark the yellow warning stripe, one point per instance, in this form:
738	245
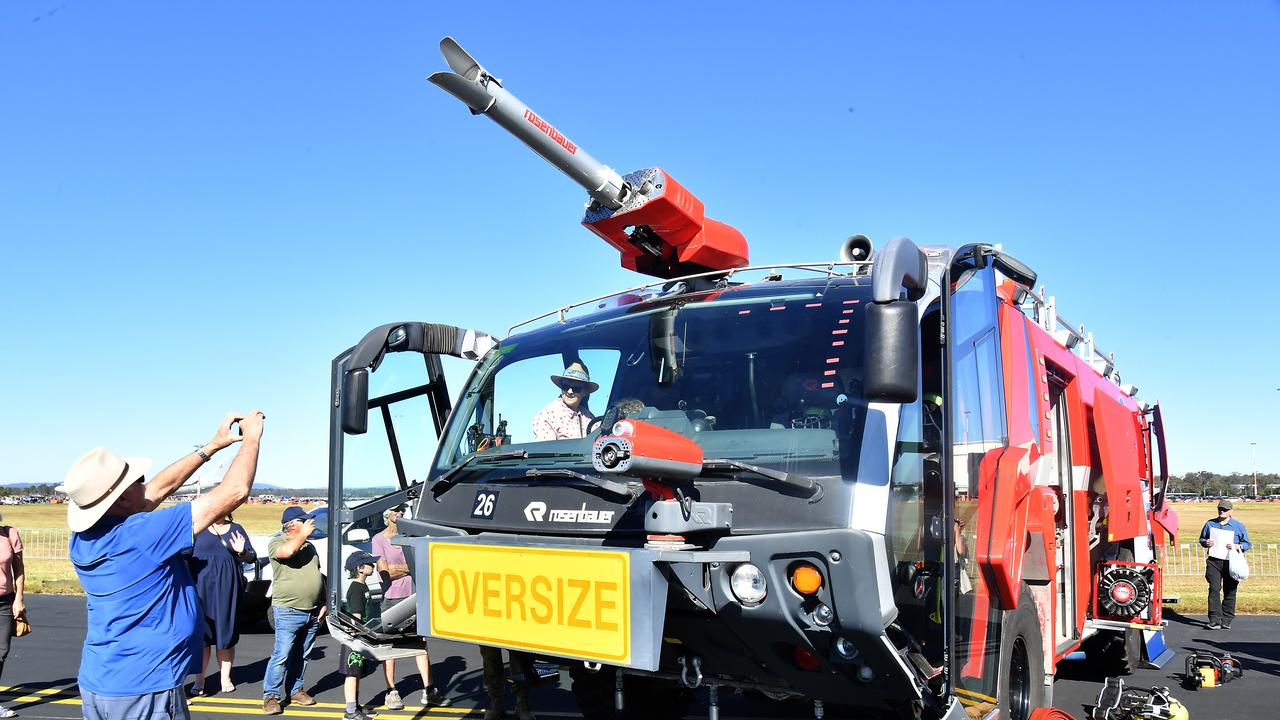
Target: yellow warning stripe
314	708
235	706
240	706
974	695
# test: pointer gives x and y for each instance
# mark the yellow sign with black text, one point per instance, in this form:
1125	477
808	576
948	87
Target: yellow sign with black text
560	601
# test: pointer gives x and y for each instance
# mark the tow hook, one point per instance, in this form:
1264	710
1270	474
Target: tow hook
593	667
688	662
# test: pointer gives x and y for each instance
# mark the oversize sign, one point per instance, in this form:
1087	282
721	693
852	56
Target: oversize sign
559	601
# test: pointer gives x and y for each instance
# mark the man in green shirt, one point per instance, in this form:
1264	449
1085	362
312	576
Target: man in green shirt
297	603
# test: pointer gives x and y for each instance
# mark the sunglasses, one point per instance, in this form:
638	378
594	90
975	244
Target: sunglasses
577	389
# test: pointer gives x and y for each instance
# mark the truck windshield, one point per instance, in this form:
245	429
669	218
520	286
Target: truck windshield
769	375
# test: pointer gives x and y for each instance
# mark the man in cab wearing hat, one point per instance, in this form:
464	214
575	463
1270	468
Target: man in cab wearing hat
297	604
129	555
1222	535
567	416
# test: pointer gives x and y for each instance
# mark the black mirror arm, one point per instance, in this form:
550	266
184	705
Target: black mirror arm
900	265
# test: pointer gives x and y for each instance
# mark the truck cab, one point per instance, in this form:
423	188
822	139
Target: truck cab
867	490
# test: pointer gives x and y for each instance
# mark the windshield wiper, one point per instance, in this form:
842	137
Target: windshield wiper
610	486
791	480
453	474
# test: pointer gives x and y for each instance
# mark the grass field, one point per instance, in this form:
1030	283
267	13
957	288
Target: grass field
57	576
1256	595
255	518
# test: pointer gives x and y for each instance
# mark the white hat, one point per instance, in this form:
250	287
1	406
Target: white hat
95	481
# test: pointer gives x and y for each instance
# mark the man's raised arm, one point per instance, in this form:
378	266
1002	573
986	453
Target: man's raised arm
163	483
234	488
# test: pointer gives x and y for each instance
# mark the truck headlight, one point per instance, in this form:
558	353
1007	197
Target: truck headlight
748	584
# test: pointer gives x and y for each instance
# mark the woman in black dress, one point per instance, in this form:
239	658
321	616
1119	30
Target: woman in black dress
215	563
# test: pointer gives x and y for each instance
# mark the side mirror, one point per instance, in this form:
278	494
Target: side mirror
354	407
1015	270
892	352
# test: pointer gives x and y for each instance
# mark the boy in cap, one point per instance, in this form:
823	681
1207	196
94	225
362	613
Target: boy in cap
567	416
1221	535
297	603
129	555
353	665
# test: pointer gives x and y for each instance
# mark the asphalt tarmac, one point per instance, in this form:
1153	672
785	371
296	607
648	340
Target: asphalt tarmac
39	679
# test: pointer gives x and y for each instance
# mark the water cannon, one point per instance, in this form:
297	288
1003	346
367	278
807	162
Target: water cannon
657	226
644	450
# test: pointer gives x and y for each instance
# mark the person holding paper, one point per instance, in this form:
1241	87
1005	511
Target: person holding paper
1222	536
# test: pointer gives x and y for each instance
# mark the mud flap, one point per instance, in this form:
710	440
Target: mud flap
1157	652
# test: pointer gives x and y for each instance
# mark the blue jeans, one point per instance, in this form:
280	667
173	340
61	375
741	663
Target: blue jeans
163	705
295	634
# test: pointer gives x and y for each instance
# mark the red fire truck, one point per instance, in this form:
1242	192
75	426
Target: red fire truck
897	484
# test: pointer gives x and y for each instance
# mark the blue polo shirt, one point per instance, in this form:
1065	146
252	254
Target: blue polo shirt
1242	535
142	602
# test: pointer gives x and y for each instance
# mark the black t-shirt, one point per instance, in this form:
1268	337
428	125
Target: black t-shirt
357	599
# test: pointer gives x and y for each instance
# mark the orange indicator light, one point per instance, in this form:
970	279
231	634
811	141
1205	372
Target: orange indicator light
805	578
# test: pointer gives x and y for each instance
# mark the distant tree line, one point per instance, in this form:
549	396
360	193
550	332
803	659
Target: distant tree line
1203	482
28	490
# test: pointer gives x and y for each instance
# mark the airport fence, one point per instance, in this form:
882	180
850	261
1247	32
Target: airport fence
45	543
1184	559
1189	559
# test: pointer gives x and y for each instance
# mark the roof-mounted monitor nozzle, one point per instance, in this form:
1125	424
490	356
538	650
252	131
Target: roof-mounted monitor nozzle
657	225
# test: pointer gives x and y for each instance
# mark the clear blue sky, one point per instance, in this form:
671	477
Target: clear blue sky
202	203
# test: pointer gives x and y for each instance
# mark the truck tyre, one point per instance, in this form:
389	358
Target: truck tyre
1021	684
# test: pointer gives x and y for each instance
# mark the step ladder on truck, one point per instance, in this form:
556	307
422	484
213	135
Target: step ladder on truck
897	483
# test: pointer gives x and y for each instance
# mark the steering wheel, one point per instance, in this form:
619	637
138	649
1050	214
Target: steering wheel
610	416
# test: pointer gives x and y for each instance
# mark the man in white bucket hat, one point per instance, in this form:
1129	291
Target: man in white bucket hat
567	416
142	640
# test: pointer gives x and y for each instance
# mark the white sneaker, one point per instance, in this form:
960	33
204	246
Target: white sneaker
6	712
393	701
